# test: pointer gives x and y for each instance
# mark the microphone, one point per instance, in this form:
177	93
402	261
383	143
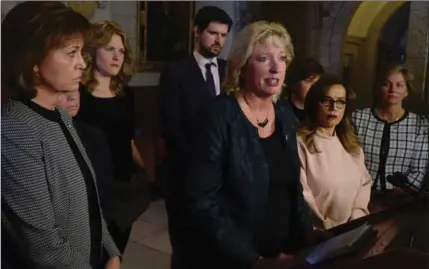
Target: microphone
399	180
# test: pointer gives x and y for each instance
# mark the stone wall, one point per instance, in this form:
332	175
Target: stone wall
336	18
418	53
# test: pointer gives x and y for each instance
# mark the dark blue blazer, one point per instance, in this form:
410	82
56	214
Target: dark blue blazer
227	185
182	88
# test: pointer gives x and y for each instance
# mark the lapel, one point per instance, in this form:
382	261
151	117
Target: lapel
195	72
288	129
221	69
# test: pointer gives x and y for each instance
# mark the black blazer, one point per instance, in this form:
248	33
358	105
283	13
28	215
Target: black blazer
182	88
97	148
227	186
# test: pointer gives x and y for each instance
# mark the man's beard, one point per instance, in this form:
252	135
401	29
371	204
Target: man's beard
207	53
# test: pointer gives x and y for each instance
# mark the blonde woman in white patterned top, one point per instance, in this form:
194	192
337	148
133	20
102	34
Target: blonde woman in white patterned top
394	140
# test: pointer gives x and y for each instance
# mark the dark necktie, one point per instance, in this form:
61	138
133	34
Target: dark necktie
210	84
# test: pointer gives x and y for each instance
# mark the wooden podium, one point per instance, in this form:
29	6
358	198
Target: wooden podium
399	258
402	239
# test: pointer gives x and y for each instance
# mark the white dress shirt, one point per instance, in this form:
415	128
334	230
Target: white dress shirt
201	61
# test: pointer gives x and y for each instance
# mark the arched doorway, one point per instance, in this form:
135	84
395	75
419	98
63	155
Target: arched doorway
350	42
393	39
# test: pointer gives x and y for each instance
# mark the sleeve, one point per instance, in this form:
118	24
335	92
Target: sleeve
130	101
105	182
170	110
26	203
361	201
307	193
419	162
203	183
355	120
108	243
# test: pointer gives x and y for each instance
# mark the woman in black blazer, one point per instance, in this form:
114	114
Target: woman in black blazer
97	148
244	203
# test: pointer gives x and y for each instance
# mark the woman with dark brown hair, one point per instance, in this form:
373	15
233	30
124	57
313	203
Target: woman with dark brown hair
301	75
335	180
51	215
108	104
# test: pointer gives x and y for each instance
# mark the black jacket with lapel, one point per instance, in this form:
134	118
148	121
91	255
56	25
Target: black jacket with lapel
183	93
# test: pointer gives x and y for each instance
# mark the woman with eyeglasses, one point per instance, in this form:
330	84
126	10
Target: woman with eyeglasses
336	183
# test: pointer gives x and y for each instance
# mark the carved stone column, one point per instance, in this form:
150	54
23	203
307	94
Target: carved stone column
313	26
418	52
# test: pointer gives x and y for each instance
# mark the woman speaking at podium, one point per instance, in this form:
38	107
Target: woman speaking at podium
336	183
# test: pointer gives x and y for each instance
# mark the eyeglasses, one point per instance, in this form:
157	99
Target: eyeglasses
329	102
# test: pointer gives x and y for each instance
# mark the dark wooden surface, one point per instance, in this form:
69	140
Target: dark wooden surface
400	258
403	227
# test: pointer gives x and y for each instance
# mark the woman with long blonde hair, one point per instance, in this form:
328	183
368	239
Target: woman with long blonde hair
244	200
108	104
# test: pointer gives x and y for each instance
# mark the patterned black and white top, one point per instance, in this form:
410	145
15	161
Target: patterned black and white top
45	214
404	143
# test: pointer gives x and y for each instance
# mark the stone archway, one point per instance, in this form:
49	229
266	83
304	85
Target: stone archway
336	18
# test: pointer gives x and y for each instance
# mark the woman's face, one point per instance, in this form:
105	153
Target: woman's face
266	69
332	106
304	86
61	70
70	102
394	90
110	58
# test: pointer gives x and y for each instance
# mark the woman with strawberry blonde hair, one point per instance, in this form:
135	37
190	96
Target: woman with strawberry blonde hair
108	104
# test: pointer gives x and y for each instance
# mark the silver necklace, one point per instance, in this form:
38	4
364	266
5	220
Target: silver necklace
261	124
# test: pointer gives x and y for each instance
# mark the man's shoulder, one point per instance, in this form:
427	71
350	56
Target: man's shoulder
181	63
221	61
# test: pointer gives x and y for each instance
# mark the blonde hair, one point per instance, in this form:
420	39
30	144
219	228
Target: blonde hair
394	69
101	34
242	47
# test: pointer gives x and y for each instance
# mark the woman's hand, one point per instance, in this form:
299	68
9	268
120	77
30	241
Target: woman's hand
399	191
286	257
114	263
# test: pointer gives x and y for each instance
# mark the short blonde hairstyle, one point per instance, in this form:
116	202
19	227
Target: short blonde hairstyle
390	70
242	48
101	34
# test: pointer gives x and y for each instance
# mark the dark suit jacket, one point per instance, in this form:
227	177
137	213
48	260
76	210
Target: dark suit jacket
227	186
182	93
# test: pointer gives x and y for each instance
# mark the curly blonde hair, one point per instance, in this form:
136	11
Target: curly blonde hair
242	47
101	34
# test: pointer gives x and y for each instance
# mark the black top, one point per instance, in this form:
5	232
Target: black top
97	148
227	186
93	206
115	117
182	93
299	113
273	231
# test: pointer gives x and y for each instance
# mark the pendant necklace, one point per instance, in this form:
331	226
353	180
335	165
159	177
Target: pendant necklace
261	124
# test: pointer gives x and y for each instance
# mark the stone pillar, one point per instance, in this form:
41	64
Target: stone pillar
313	26
125	13
417	53
6	6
